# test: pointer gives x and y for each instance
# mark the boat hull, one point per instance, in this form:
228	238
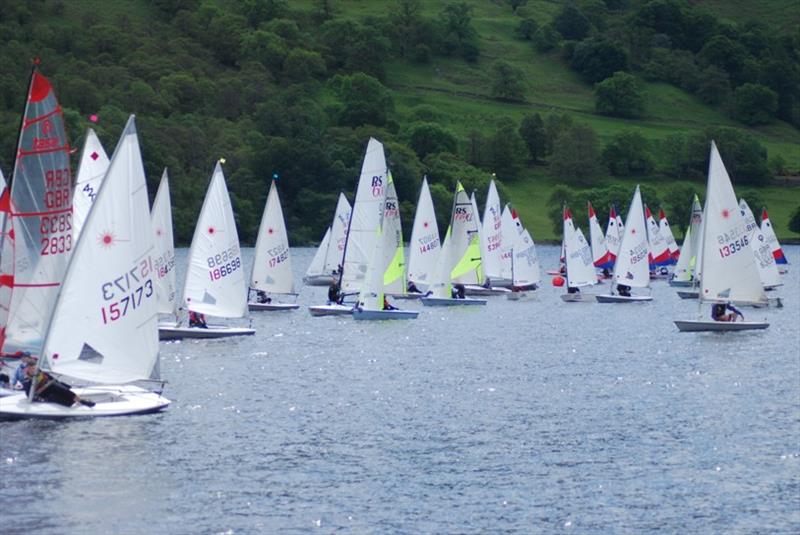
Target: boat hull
123	400
407	296
688	294
385	314
578	298
521	296
681	284
449	301
330	310
623	298
272	306
773	302
482	291
319	280
719	326
175	332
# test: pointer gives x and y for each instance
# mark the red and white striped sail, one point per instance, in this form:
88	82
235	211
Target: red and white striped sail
659	250
666	231
769	233
728	267
37	237
601	257
91	170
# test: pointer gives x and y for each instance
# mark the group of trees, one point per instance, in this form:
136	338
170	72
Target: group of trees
748	69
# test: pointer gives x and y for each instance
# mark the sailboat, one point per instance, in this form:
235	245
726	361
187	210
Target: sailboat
164	256
772	239
215	281
327	262
424	246
392	247
495	238
272	264
602	258
631	267
525	275
659	256
684	274
475	280
765	261
460	254
37	240
366	216
91	170
580	270
105	333
666	231
729	271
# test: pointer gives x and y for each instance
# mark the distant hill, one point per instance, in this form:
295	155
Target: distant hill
295	88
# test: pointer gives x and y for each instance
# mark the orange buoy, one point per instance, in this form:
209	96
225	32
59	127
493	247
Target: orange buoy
558	281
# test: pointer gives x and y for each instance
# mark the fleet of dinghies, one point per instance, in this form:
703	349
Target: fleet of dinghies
88	280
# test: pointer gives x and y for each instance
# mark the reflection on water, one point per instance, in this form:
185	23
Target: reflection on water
531	416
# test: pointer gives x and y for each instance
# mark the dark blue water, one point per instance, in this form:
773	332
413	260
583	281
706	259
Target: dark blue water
523	417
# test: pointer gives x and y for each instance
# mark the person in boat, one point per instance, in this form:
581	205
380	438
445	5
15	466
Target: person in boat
197	320
19	375
487	283
719	312
387	305
262	297
606	273
624	290
412	288
334	296
573	290
50	389
459	291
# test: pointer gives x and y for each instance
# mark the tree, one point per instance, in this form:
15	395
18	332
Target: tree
714	85
628	154
597	59
724	53
407	23
678	204
527	28
794	222
506	150
744	157
571	23
364	100
533	133
619	96
754	104
508	82
576	155
546	38
428	138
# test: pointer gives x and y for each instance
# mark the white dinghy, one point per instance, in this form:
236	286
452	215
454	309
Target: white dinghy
164	256
105	333
327	261
525	273
727	262
272	263
580	271
459	255
215	281
424	247
684	274
631	267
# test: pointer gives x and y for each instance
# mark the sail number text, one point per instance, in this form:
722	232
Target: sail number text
56	234
733	247
128	290
277	255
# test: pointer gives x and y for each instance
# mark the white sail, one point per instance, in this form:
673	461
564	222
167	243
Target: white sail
601	257
91	170
729	271
631	268
424	247
686	269
465	251
772	239
613	234
317	266
372	292
340	225
104	326
578	255
37	239
392	246
762	252
666	231
164	255
215	280
272	263
440	285
492	237
683	269
525	262
367	215
512	229
659	250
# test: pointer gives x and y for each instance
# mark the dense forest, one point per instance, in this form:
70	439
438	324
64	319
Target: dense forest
294	89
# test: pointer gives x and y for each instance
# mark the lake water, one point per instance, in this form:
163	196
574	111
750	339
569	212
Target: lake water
530	417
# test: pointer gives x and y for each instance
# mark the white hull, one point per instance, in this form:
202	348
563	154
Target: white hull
319	280
688	294
623	299
482	291
8	392
174	332
719	326
773	302
120	400
385	314
330	310
272	306
449	301
578	298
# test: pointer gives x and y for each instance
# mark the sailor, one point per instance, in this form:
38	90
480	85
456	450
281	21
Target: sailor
719	312
624	290
50	389
261	297
197	320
